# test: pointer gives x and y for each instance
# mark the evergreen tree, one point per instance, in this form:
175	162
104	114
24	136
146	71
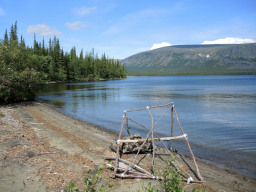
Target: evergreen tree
6	39
13	34
23	69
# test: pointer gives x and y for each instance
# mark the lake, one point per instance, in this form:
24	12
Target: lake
217	112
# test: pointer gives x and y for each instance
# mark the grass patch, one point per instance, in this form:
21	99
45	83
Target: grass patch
1	114
91	182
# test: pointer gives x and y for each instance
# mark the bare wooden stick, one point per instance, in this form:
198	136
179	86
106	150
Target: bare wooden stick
152	138
194	181
150	107
149	140
190	150
134	176
122	125
118	145
128	163
129	171
127	126
171	126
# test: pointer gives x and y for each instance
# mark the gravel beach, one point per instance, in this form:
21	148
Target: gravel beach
42	149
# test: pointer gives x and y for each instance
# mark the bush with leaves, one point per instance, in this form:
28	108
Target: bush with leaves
91	183
19	86
171	180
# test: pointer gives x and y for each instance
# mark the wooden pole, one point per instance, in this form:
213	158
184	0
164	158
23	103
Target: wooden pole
171	127
130	164
150	139
127	126
190	150
118	145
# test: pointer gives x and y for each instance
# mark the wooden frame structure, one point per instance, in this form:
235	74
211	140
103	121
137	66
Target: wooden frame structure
132	170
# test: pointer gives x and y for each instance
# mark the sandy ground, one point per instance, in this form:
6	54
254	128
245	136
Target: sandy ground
42	149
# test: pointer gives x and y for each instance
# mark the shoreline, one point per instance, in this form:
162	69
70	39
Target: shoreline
69	139
81	121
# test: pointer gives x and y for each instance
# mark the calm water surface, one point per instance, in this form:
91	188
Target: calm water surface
217	112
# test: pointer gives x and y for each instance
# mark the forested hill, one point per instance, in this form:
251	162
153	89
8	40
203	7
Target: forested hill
194	59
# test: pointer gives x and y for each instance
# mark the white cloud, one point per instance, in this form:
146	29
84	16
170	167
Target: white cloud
2	13
159	45
83	10
43	30
77	25
230	40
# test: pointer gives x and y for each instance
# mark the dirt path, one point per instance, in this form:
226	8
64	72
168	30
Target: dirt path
43	150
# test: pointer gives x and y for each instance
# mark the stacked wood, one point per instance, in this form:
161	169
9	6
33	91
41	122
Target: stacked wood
132	144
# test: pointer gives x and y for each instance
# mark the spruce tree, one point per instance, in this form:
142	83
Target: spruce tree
6	39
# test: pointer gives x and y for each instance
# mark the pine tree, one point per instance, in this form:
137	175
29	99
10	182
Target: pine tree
43	48
6	39
13	34
22	42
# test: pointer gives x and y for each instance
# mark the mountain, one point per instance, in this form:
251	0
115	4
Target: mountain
194	60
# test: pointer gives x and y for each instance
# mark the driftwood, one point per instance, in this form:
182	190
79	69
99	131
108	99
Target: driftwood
130	164
137	145
133	172
150	140
132	147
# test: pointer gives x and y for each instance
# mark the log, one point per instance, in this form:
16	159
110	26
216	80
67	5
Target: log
128	163
134	172
149	140
134	176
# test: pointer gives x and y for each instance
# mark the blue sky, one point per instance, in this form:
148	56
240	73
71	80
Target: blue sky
121	28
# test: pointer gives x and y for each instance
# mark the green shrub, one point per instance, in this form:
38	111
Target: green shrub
91	181
19	86
171	180
1	114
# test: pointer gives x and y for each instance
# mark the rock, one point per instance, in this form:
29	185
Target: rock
30	154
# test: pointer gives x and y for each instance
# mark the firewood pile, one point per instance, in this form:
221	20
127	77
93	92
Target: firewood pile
133	147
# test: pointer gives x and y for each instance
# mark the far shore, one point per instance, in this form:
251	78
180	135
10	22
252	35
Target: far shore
43	149
82	81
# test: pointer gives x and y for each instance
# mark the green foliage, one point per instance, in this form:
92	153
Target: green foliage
91	181
17	86
23	70
150	188
18	81
1	114
198	190
171	181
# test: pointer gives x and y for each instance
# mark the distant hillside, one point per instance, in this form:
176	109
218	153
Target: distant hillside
194	59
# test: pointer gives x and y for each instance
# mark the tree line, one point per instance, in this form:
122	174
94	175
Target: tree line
24	69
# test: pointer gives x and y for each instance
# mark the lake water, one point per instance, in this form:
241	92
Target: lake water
217	112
